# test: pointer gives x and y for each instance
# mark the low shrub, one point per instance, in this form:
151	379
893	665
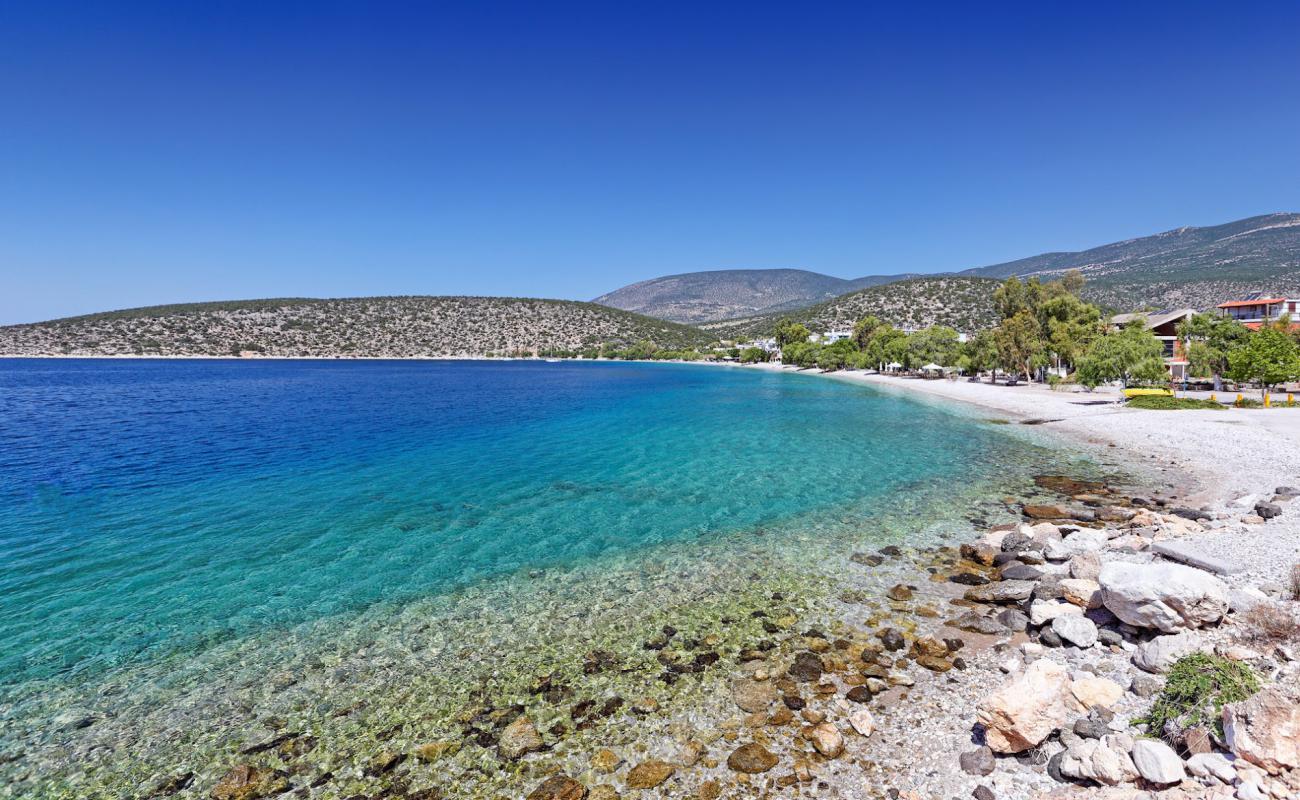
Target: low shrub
1158	403
1295	581
1198	687
1269	624
1248	402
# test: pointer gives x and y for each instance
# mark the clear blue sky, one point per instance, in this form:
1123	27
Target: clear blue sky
173	152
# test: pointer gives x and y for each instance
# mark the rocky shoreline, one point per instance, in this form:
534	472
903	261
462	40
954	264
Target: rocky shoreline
1019	664
1033	685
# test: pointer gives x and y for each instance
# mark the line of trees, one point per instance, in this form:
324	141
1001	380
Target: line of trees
1047	331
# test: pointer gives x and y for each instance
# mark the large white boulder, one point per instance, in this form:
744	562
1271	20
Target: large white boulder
1167	597
1157	761
1026	710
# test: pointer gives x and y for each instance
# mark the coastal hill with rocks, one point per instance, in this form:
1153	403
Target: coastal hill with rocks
697	297
965	304
374	327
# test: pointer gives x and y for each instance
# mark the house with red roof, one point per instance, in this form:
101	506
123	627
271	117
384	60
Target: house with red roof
1259	308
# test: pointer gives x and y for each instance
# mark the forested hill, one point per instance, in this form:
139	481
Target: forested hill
378	327
964	303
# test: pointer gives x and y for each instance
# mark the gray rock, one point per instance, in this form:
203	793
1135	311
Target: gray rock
1145	685
1159	654
1049	588
1268	510
1049	638
1003	592
1109	637
1075	629
1099	760
1193	514
978	762
1013	620
1187	554
1085	566
1157	762
1083	541
977	623
1090	728
1015	542
1054	768
1287	491
1021	572
982	792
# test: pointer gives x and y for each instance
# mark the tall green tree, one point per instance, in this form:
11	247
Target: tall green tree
1269	356
980	353
937	344
790	332
1130	355
865	328
1207	341
1020	344
1069	325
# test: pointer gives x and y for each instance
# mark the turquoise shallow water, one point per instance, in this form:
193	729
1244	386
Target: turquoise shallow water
154	514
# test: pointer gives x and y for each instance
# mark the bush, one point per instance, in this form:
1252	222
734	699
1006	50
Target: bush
1295	582
1270	624
1159	403
1248	402
1198	688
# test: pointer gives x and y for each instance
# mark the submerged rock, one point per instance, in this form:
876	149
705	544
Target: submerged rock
827	739
649	774
807	667
558	787
753	696
518	738
246	782
752	759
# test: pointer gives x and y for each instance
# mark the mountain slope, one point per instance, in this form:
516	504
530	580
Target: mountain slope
695	297
1195	267
377	327
961	302
1191	267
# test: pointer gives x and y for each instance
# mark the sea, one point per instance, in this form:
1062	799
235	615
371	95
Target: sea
198	556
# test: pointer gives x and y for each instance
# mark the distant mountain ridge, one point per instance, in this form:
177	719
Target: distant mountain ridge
1190	267
370	327
695	297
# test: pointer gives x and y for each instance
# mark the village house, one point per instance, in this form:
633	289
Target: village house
1257	309
1164	325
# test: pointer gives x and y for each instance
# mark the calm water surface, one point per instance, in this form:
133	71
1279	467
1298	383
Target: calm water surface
155	510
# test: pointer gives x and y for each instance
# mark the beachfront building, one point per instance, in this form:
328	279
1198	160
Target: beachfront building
831	337
1258	308
1164	324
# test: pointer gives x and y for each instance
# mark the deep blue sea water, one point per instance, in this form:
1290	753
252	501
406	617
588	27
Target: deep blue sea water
155	507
